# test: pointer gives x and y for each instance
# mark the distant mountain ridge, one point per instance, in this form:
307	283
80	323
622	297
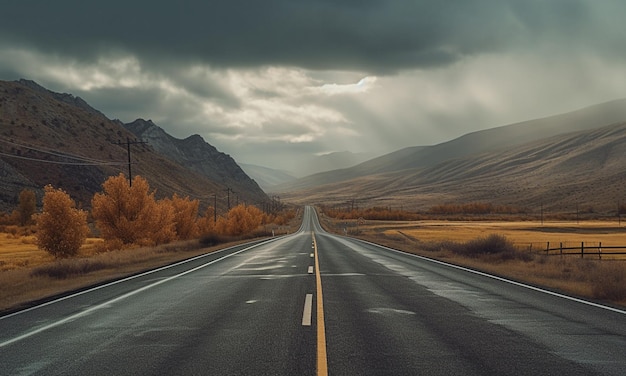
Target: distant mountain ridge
472	143
334	161
583	169
266	177
59	139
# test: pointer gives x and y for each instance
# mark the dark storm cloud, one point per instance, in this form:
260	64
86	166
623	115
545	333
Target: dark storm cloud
202	83
373	35
125	103
276	81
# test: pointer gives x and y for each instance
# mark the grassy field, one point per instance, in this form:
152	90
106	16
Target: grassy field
21	251
590	278
529	236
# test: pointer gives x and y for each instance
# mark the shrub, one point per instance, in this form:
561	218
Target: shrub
493	243
61	228
66	268
211	239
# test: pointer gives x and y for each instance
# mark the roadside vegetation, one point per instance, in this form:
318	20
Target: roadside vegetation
513	249
127	230
449	210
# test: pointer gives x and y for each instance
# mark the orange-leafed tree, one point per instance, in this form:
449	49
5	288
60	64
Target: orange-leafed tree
207	223
162	226
61	227
185	216
125	213
242	220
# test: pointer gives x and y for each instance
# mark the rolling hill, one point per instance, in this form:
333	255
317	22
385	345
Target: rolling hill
580	170
472	143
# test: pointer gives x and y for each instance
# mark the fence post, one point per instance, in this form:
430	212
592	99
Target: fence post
600	251
561	248
547	248
582	249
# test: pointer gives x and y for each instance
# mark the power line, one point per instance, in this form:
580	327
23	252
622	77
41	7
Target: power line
64	163
83	161
53	152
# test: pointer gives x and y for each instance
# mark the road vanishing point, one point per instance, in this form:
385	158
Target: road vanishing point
313	303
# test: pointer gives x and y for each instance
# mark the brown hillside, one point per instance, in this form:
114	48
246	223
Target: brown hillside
51	138
489	140
583	169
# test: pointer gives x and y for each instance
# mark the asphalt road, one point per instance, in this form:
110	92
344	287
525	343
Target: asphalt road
314	303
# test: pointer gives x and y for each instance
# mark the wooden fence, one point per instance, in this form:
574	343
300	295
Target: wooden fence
583	250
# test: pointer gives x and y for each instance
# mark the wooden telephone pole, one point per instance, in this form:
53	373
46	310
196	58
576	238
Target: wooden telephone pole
228	190
128	143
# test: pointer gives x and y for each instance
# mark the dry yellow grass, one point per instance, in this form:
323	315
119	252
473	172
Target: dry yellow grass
582	277
526	235
22	251
18	285
523	231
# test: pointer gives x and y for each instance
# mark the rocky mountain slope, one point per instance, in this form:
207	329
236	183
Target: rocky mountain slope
197	155
58	139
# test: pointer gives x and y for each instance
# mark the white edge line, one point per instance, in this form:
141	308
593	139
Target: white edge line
308	310
128	294
530	287
133	277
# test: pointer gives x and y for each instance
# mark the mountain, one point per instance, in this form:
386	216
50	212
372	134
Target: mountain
333	161
266	177
583	170
197	155
61	97
499	138
58	139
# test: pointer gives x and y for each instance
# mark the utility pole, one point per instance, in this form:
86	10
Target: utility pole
214	207
128	143
228	190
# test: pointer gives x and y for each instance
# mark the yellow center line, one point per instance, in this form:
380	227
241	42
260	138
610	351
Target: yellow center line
322	362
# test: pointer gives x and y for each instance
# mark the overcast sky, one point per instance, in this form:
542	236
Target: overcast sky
272	81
